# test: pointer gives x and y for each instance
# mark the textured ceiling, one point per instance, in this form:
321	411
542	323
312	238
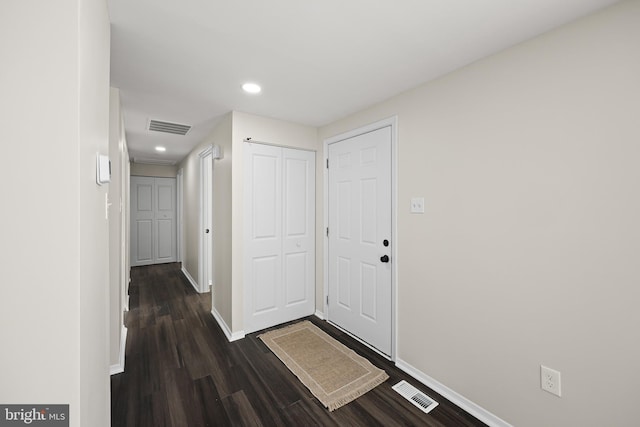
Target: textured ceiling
317	61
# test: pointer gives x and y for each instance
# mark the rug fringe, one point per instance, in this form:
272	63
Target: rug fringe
332	406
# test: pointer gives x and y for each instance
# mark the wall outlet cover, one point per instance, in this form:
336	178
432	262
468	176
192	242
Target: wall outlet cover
550	380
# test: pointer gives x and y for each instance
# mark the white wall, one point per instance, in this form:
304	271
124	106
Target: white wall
191	213
93	137
53	304
161	171
41	271
190	166
227	203
222	220
118	198
528	251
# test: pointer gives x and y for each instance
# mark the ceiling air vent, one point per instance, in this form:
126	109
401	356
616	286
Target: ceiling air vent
166	127
415	396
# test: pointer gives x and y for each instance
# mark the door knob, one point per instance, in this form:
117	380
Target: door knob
384	258
206	231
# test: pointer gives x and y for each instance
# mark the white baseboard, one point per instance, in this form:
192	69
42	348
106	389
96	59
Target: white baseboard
319	314
190	279
231	336
455	398
118	368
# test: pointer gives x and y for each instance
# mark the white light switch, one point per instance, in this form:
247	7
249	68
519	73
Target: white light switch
417	205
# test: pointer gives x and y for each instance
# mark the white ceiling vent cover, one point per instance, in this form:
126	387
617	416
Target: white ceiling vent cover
167	127
415	396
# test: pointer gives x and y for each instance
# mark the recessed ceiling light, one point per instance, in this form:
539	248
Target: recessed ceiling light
161	149
251	88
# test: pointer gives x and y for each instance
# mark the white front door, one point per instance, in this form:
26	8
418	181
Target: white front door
360	224
279	235
153	224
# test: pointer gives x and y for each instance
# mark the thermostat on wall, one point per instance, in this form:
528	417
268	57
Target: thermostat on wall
103	169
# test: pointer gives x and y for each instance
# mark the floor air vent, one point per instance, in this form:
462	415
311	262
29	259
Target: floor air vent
415	396
175	128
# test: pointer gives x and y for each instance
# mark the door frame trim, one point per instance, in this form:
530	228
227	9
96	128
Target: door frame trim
202	155
393	123
179	215
125	244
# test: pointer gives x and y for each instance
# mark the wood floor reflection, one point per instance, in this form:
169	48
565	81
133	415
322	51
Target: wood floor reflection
181	371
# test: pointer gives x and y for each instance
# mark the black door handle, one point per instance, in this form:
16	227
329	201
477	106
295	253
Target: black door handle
384	258
206	231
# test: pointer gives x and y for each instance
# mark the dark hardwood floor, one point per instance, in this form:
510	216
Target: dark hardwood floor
181	371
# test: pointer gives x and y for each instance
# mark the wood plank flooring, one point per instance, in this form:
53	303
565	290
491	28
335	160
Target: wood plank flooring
182	372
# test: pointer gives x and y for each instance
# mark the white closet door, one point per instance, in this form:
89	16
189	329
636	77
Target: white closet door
153	220
279	240
165	224
142	219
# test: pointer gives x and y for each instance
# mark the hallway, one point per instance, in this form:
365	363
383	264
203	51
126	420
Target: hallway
181	371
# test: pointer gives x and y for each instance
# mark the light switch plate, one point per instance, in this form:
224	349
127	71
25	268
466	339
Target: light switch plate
417	205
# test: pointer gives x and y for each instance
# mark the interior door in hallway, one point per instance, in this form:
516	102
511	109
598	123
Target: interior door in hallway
279	235
205	260
360	225
153	220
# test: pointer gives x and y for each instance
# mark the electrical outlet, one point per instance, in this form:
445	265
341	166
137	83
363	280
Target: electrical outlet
417	205
550	380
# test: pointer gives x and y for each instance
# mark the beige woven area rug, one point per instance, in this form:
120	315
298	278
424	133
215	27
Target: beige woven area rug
335	374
